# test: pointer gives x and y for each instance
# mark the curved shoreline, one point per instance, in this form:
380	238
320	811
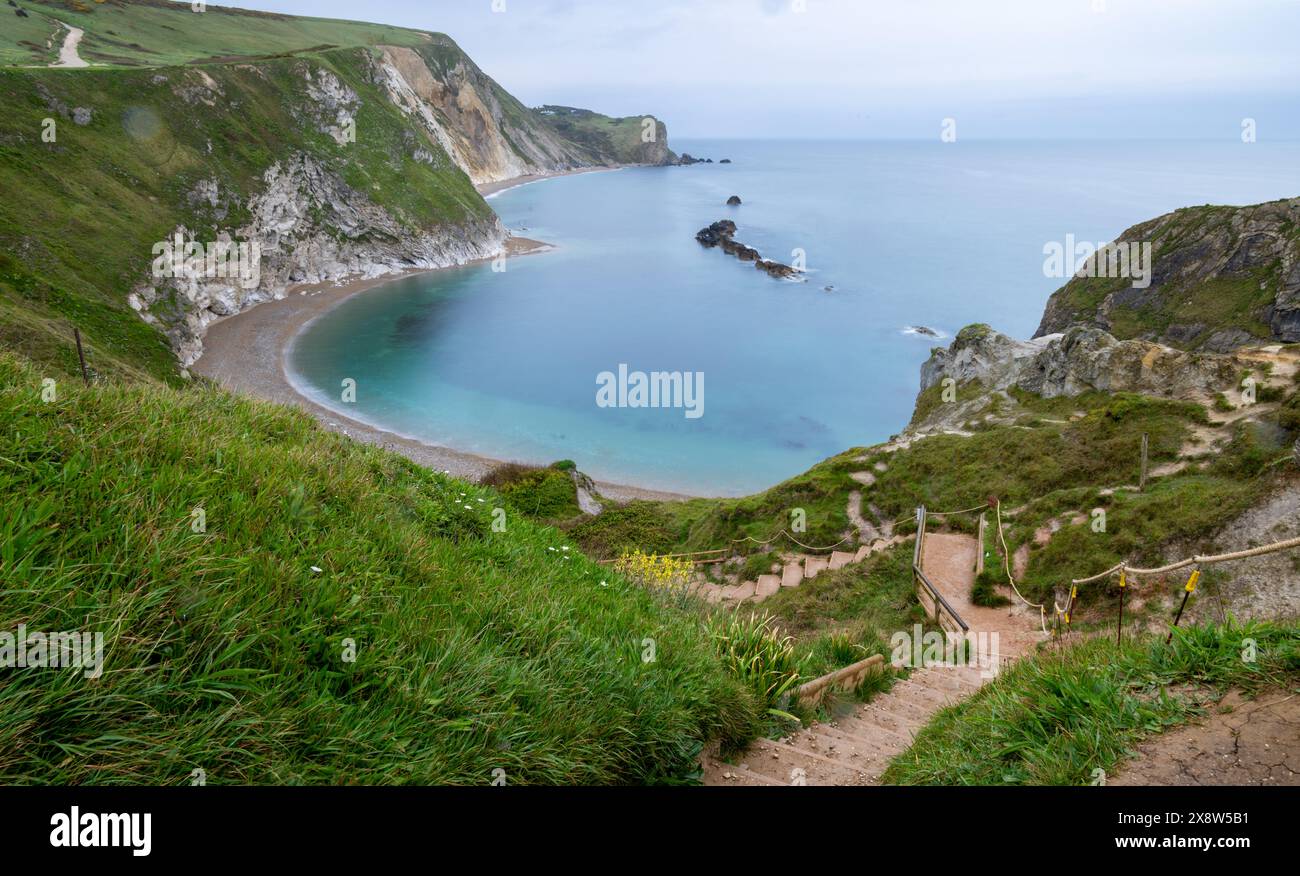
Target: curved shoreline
247	354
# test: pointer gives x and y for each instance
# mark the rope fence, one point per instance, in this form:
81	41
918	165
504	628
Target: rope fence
787	534
1125	571
1193	561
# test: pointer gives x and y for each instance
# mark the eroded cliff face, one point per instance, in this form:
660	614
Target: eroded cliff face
982	363
489	134
1223	277
307	226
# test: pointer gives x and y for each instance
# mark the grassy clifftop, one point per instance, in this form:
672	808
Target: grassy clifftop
228	644
630	140
1223	277
154	33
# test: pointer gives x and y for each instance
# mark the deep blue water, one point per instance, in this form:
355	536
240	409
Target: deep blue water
943	235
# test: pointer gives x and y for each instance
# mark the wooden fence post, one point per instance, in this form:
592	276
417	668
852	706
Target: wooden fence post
76	333
1142	483
1119	628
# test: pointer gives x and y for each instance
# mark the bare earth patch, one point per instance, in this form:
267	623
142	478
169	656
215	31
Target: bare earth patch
1257	742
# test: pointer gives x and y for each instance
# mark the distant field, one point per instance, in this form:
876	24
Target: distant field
161	33
25	40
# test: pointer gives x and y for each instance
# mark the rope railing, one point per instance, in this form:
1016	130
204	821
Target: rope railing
1006	559
1276	546
735	541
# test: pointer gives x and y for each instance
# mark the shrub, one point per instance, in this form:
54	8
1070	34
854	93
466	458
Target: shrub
752	649
758	564
984	591
541	493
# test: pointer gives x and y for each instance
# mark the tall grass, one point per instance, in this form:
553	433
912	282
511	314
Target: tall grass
227	648
1055	718
753	650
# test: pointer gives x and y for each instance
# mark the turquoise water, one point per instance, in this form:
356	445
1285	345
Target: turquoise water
942	235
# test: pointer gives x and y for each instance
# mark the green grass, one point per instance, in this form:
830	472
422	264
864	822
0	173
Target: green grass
34	39
1236	299
984	591
841	617
475	650
1054	718
931	398
1052	468
161	33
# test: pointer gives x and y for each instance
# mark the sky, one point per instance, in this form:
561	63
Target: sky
883	69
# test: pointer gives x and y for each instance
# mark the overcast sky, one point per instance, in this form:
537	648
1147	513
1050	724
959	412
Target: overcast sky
883	68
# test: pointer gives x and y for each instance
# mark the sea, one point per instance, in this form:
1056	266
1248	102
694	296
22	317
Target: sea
553	356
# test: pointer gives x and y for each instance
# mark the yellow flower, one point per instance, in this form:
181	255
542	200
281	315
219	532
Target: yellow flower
654	571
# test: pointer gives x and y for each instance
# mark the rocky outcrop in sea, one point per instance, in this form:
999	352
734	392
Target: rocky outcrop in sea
722	234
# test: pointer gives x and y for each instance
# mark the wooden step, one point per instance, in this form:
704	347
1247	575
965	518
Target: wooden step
792	575
840	559
767	585
813	566
741	776
743	591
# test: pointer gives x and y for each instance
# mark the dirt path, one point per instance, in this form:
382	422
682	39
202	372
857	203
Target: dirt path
1241	742
855	747
949	563
68	56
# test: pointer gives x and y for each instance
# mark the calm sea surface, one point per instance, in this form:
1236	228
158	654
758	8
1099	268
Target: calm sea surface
505	364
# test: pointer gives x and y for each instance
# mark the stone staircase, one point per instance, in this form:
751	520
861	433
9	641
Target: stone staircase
793	571
853	748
